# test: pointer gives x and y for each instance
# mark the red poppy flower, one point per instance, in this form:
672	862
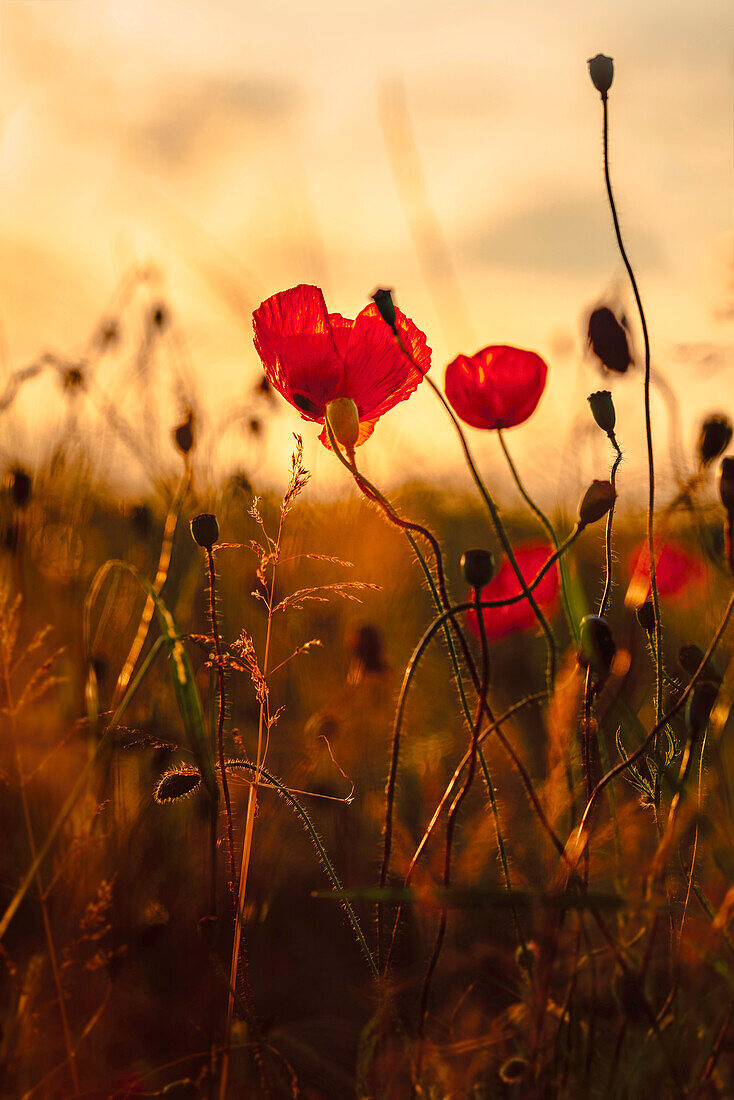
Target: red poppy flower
675	571
516	617
312	356
498	387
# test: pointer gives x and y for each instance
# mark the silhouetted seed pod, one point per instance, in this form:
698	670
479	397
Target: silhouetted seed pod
383	300
602	409
699	706
184	434
726	484
608	340
367	649
601	71
715	437
598	499
255	425
159	316
20	488
175	785
141	518
596	646
646	616
205	530
478	568
689	659
265	388
73	379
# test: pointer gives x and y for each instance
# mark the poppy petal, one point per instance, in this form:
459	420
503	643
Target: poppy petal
499	387
377	373
295	340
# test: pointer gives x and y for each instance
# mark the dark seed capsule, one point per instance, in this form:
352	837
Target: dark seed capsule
383	300
646	616
159	316
699	706
205	530
598	499
715	437
608	340
689	659
20	488
478	568
601	71
184	434
602	409
726	484
596	648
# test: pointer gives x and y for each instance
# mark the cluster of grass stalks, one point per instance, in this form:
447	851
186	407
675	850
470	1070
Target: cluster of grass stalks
282	815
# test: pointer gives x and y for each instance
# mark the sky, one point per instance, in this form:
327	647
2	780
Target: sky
451	150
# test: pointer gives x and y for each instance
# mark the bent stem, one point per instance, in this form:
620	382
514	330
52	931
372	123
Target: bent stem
648	437
570	617
450	829
220	719
494	515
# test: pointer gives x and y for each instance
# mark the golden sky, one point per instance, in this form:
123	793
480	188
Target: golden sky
451	150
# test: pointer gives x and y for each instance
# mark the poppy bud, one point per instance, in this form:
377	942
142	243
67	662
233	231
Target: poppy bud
602	409
596	648
601	71
715	437
598	499
646	616
383	300
344	419
478	568
205	530
20	488
690	658
184	434
726	484
608	340
699	706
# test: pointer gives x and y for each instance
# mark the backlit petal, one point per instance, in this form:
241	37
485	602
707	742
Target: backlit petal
377	373
498	387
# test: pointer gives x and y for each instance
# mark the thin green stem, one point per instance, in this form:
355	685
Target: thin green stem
648	436
570	617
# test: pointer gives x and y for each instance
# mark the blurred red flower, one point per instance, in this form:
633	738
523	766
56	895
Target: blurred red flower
675	570
498	387
312	356
516	617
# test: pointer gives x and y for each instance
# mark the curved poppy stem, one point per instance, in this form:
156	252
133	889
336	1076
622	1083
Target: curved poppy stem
648	436
450	829
671	713
493	511
570	618
441	601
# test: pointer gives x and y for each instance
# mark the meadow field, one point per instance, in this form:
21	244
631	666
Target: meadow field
419	794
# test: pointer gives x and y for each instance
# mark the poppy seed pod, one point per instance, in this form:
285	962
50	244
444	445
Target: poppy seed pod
20	488
478	568
601	71
699	706
726	484
205	530
183	435
646	616
608	340
602	409
385	305
344	419
596	647
598	499
690	658
715	437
